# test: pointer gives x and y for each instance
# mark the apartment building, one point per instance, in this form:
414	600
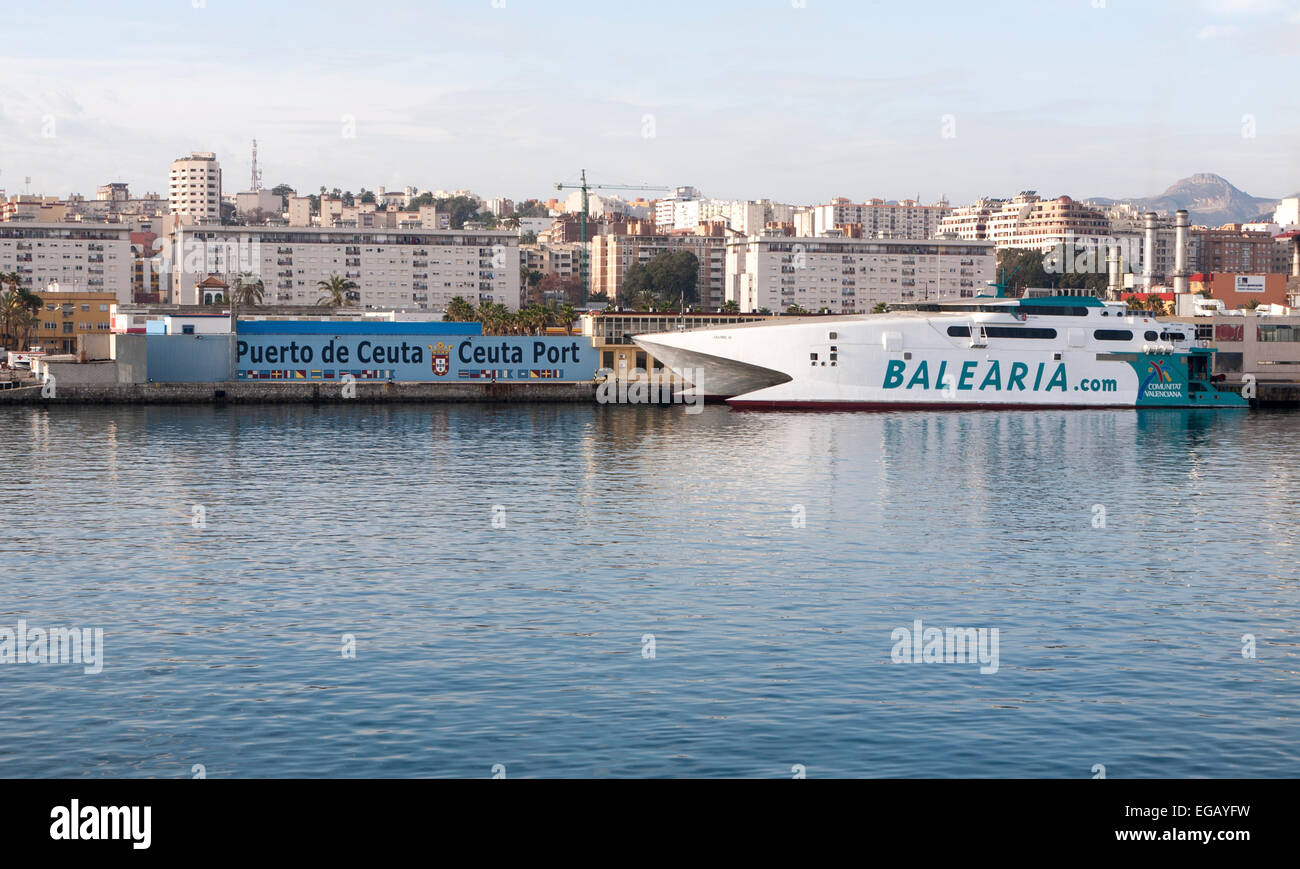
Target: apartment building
65	314
82	257
612	255
876	218
561	260
413	269
1027	221
1232	249
194	190
847	275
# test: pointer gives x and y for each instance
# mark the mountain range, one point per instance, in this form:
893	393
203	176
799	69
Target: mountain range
1210	200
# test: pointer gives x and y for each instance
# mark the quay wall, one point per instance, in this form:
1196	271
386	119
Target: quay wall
262	392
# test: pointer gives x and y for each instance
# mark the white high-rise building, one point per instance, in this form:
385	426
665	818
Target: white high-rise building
879	219
194	191
78	257
1287	213
408	268
850	275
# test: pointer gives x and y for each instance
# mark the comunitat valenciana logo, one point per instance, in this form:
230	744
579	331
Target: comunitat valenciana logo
1159	381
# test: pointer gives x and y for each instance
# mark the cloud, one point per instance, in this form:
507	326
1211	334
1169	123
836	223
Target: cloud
1217	31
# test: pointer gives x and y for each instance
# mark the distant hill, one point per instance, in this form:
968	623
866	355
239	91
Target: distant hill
1209	199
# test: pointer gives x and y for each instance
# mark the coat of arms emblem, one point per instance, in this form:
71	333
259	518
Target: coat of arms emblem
441	356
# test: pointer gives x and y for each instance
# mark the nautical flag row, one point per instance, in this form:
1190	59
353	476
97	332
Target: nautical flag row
316	374
510	373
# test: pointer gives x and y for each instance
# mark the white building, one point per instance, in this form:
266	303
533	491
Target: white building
415	269
194	192
879	219
79	257
264	201
1287	213
849	275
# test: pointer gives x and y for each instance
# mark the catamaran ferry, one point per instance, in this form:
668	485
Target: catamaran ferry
985	352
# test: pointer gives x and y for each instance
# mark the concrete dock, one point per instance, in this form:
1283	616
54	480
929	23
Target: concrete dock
311	392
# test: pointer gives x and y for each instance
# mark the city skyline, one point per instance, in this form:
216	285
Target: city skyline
507	98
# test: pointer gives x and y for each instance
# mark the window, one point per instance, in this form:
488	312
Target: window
187	329
1113	335
1005	332
1278	332
1150	335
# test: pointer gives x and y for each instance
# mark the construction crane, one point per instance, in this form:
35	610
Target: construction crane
585	187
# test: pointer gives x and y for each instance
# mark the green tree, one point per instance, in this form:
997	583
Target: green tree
496	319
731	306
880	308
459	209
337	292
19	310
531	208
565	314
284	191
637	285
673	276
248	290
459	311
796	309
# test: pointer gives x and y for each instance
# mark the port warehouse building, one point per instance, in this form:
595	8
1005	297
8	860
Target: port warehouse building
201	347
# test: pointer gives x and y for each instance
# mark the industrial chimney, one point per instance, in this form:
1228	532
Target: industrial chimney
1112	270
1149	253
1180	251
1295	256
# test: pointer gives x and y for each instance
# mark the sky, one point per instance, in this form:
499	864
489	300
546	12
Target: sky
793	100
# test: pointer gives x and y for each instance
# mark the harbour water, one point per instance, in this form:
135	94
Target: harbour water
568	590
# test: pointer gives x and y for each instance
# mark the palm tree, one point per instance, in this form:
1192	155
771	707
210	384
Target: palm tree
565	315
458	311
731	306
337	292
247	291
495	318
19	309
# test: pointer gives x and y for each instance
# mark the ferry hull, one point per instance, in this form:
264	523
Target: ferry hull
913	362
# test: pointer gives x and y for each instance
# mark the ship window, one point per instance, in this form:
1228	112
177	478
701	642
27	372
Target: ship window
834	335
1172	336
1056	357
834	348
834	356
812	356
1113	335
1150	336
1054	310
1005	332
